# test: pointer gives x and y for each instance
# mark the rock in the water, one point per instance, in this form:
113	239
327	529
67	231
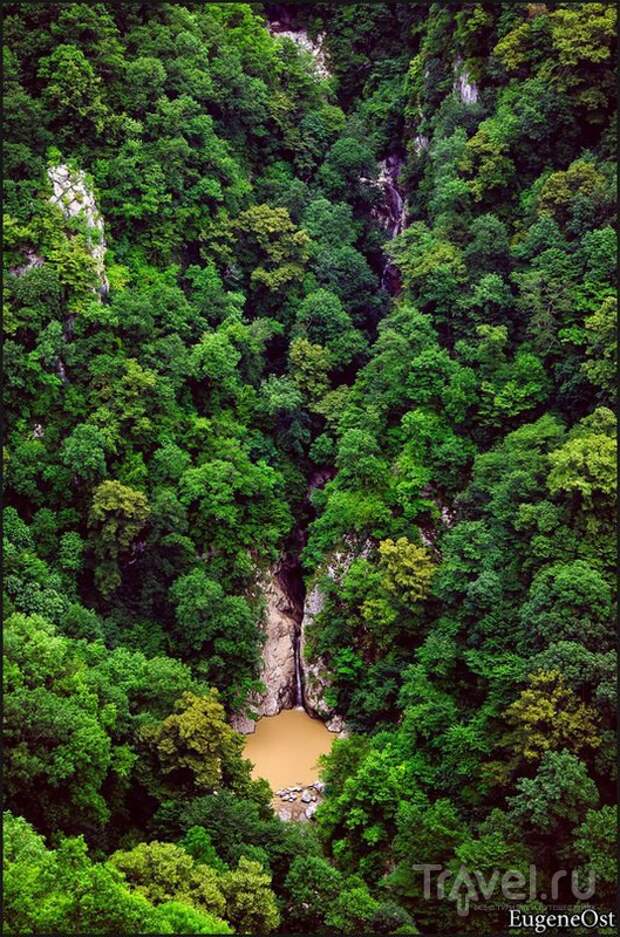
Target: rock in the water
337	724
288	806
243	723
73	196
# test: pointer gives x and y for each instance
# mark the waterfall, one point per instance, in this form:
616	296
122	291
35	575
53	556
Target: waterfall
299	686
392	215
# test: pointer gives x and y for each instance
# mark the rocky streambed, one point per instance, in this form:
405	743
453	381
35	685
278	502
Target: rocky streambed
297	802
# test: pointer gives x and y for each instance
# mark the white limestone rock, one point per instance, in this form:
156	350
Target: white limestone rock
337	725
420	143
315	675
278	663
74	197
32	260
466	89
301	39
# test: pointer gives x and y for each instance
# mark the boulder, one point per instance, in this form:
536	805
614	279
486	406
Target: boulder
337	724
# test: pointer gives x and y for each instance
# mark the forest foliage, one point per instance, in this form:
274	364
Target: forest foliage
161	438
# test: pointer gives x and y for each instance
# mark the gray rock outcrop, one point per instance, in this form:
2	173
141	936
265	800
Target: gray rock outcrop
314	670
278	663
73	196
466	89
315	673
32	260
300	37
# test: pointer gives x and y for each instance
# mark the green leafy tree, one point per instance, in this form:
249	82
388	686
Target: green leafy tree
250	902
549	716
117	515
312	885
561	792
164	872
64	890
196	743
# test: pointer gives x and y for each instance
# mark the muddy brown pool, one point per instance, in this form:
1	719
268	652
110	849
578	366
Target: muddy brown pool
285	749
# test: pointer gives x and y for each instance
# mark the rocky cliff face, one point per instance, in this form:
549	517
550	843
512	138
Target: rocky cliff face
392	215
315	674
281	625
466	89
283	28
291	678
72	195
314	671
74	198
278	671
32	260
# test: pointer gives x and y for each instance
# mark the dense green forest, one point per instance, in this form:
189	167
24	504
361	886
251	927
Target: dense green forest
248	323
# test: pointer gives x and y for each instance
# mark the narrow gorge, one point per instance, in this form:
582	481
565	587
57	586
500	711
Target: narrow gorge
309	462
290	724
291	728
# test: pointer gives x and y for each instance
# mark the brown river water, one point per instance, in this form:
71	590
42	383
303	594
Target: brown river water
285	748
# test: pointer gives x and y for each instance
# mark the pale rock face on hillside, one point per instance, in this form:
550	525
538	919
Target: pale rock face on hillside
301	38
466	89
278	668
315	675
278	663
32	260
74	197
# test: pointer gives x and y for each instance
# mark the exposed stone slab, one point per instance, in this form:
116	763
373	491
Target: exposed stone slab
278	663
73	196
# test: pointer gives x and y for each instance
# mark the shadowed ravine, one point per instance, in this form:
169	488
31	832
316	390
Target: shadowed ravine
284	747
294	727
290	578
